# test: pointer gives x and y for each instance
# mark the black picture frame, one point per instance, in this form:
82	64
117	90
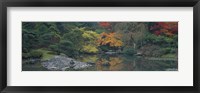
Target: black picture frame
100	3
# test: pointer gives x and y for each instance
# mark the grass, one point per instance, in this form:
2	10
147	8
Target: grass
46	54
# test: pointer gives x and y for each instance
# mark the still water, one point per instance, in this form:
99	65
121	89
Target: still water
117	63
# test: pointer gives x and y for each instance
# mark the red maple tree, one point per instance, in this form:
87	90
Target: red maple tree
165	28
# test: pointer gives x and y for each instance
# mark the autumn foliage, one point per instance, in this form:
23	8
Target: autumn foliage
104	24
110	46
165	28
112	39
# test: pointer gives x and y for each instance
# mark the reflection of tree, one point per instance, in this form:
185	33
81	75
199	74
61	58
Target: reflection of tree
91	58
126	63
153	65
99	64
113	63
115	60
129	63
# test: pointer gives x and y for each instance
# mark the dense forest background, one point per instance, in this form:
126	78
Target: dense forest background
151	39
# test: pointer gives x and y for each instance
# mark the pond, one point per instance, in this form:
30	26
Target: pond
117	63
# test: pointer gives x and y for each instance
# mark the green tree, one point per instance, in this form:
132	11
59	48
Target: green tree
90	41
29	41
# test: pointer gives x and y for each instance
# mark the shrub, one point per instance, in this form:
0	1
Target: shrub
25	55
52	53
90	49
169	50
173	50
54	48
152	51
129	51
36	54
166	50
104	48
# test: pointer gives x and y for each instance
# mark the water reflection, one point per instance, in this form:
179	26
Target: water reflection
126	63
116	63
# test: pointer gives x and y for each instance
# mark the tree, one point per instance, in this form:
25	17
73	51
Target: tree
48	39
29	41
133	33
48	34
111	39
90	41
74	36
164	33
164	28
106	25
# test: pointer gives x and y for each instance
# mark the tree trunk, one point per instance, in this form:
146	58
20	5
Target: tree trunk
134	46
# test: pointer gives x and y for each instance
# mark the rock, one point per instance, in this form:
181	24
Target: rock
138	54
71	62
62	63
110	53
91	63
65	68
55	68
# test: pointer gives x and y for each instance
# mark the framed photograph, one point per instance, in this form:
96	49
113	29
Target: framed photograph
99	46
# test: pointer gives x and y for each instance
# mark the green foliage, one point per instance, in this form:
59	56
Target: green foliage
99	31
48	39
168	50
169	56
74	38
55	48
41	28
36	54
151	50
162	40
104	48
46	54
28	25
25	55
90	39
90	49
68	48
90	35
30	40
129	51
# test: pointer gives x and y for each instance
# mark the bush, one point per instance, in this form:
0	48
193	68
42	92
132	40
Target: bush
173	50
166	50
25	55
90	49
129	51
152	51
54	48
52	53
169	50
68	48
104	48
36	54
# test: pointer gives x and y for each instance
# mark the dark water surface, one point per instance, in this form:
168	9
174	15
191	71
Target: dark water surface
117	63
